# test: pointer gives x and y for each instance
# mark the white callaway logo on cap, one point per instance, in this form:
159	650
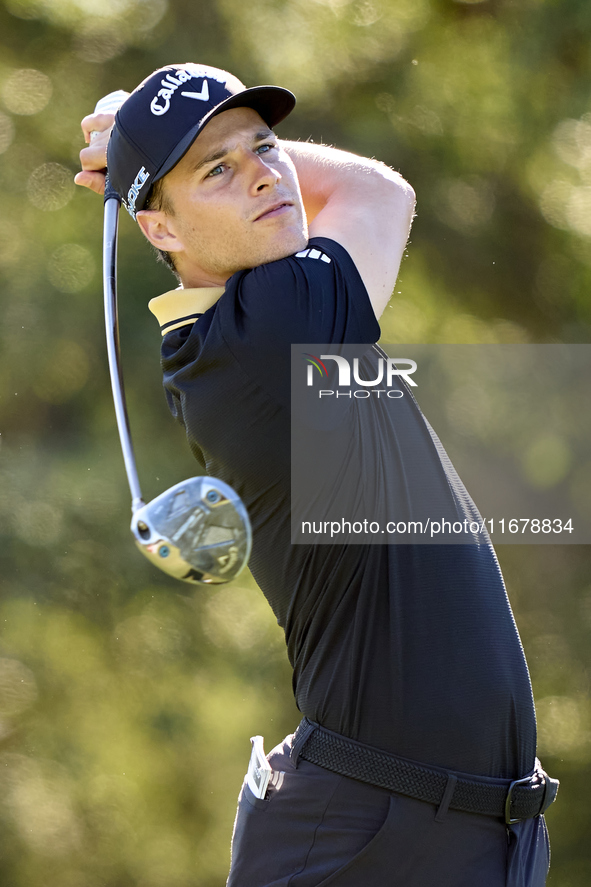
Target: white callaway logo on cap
171	83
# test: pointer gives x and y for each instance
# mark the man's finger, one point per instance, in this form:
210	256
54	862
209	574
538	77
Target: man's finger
91	179
96	123
95	156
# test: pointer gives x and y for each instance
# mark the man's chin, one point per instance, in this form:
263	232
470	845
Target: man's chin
287	247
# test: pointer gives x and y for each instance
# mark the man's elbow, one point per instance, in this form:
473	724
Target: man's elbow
402	188
389	180
408	194
396	191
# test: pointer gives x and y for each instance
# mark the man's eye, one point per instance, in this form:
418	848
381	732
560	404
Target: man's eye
262	149
216	170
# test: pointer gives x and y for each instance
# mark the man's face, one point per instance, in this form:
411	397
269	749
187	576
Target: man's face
235	200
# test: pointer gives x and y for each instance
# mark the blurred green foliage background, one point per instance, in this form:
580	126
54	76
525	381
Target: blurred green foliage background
126	700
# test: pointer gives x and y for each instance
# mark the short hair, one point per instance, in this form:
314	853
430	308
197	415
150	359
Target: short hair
158	199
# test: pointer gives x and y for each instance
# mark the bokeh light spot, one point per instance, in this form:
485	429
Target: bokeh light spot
70	268
148	635
40	804
65	372
236	618
466	329
466	204
553	202
563	724
37	523
580	489
18	688
572	141
426	120
547	461
140	15
410	321
98	45
50	187
26	91
471	409
25	9
11	243
366	14
578	210
6	132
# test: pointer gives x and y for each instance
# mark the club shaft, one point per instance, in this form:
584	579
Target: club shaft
111	224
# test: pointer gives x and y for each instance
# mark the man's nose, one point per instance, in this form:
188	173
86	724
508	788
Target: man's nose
263	175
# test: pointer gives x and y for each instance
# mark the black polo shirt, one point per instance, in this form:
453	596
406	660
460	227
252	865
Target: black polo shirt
409	648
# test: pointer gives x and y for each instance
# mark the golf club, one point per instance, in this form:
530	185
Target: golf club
197	531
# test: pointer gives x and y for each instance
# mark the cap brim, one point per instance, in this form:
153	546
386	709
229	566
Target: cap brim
273	103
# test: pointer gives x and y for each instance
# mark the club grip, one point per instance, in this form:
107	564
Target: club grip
110	104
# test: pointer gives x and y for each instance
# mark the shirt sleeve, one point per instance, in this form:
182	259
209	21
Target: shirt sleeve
314	296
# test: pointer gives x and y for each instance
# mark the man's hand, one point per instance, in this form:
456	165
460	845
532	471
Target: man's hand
94	158
97	130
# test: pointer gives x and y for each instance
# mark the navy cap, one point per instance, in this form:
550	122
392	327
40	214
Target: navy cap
161	119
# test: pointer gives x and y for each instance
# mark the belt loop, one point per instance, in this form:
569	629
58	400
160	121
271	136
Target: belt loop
447	796
300	737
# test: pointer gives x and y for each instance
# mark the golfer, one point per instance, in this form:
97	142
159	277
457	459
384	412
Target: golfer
415	762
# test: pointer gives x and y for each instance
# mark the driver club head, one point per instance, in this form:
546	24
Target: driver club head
197	531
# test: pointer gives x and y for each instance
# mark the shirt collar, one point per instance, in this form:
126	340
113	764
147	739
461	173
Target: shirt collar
179	307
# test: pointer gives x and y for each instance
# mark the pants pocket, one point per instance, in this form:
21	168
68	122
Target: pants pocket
409	848
370	865
247	797
272	837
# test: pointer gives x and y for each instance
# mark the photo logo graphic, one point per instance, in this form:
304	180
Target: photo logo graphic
389	371
314	362
387	367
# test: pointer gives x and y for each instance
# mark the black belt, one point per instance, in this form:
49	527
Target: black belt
505	799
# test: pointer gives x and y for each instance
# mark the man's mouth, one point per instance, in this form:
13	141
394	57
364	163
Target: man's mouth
276	209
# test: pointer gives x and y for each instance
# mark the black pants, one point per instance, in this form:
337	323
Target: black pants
319	829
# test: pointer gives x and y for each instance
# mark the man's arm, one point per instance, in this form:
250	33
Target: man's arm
363	205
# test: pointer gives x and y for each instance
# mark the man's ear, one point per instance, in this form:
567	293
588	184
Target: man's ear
160	230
